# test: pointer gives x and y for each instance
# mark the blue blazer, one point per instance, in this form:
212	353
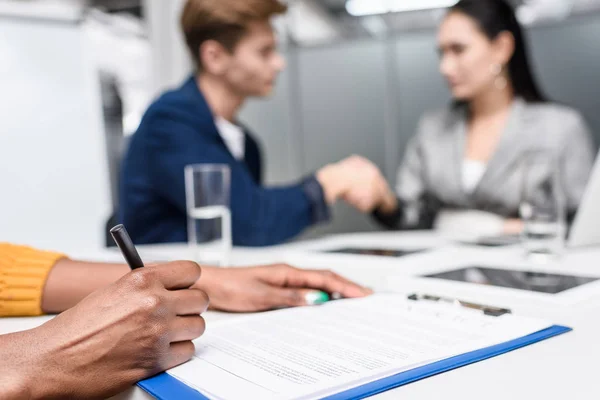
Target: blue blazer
178	130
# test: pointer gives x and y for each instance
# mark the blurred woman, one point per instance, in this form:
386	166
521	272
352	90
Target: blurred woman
464	168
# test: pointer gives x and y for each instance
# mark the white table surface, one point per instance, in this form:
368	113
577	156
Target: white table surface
559	368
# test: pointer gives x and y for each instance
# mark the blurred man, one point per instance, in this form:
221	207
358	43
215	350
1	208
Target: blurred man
234	49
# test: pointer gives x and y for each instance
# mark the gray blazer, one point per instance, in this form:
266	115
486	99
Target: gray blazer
429	178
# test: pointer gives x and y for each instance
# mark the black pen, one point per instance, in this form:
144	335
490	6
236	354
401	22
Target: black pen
123	240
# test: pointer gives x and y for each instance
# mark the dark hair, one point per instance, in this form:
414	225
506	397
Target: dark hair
495	17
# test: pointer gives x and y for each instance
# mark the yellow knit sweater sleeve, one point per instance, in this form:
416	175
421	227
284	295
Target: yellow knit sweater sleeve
23	274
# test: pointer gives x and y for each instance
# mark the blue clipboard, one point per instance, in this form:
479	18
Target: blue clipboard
165	387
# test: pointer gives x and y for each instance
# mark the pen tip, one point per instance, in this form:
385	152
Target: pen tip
117	228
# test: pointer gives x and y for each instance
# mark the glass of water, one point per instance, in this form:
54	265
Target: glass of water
543	207
208	190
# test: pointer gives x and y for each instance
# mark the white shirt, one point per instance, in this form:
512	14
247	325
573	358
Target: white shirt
472	172
233	136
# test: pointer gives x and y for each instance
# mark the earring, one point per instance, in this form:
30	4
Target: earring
501	82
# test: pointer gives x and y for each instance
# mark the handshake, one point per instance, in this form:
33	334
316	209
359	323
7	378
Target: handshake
359	183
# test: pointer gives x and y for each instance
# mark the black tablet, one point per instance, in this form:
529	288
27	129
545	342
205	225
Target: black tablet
523	280
374	252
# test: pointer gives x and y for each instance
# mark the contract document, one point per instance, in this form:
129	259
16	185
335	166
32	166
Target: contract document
317	352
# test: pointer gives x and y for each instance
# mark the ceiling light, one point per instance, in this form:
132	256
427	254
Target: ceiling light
360	8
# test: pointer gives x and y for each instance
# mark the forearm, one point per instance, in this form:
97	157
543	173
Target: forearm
29	371
69	282
11	389
15	381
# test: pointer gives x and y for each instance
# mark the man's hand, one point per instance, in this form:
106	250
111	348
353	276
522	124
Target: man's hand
359	182
369	189
141	325
266	288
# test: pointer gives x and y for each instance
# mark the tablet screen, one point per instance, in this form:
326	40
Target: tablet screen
523	280
374	252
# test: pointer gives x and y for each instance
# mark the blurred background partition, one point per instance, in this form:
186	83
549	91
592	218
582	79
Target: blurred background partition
360	74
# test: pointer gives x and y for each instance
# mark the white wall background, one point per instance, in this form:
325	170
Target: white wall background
53	169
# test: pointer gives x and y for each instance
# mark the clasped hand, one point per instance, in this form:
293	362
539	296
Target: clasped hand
358	182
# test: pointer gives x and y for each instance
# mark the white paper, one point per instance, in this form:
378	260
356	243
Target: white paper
309	353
